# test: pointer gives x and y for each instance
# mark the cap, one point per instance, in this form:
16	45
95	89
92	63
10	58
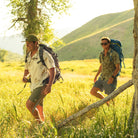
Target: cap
31	38
106	38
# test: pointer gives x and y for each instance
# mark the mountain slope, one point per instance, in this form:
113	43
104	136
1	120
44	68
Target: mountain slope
12	43
98	23
13	57
84	43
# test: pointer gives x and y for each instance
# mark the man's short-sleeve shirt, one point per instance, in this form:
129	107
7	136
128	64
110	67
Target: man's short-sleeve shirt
108	63
37	70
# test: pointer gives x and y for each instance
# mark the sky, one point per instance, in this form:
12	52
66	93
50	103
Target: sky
80	13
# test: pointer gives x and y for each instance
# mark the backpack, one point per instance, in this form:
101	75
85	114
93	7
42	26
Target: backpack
54	56
116	46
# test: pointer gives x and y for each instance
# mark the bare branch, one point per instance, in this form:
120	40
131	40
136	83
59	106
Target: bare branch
15	21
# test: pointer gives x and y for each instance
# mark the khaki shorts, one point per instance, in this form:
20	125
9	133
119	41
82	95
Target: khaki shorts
36	94
103	86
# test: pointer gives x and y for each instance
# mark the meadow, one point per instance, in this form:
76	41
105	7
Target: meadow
65	99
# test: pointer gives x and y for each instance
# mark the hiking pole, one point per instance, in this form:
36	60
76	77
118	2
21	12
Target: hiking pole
22	89
28	79
62	79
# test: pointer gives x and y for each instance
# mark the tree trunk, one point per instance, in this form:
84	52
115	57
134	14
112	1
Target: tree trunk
97	104
135	67
131	117
32	19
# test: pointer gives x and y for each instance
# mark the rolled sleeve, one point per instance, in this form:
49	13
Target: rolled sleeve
49	61
26	66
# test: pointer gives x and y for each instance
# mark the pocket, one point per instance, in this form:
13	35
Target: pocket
115	82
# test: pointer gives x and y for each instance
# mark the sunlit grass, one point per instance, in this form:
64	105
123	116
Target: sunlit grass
65	99
90	67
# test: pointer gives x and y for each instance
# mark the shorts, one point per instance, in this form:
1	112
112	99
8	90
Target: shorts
36	94
102	85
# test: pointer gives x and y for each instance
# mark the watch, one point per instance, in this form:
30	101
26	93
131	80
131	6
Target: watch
113	76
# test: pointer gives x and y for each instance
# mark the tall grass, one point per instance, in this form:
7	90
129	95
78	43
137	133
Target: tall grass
65	99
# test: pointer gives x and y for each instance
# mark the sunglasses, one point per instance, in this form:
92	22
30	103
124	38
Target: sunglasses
104	44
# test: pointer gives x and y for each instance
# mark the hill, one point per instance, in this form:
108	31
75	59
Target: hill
84	42
10	56
13	57
12	43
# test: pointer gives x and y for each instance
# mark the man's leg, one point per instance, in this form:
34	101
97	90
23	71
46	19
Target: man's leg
94	92
35	96
41	113
109	88
40	110
30	105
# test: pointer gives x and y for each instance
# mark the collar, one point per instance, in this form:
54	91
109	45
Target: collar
109	51
36	54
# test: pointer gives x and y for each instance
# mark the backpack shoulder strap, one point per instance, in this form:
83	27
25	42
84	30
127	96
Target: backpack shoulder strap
26	57
41	56
111	54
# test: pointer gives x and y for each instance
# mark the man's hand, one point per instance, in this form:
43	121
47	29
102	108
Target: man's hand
25	80
47	89
110	81
26	73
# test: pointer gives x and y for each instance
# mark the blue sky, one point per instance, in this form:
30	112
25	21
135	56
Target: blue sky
80	13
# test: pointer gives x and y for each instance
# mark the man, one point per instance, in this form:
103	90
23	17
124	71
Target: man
38	73
109	68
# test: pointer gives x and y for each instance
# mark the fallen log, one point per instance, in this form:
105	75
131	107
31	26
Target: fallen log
97	104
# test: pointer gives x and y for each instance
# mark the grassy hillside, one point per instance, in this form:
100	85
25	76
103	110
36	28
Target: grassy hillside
13	57
84	43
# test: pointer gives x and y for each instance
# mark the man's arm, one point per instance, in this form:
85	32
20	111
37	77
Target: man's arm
116	70
52	76
98	72
114	74
51	79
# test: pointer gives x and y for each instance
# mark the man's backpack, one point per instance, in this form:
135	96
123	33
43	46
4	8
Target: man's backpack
116	46
54	55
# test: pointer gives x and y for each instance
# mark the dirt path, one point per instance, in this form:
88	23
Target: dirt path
73	75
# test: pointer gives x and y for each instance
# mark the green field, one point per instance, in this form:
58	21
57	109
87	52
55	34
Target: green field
65	99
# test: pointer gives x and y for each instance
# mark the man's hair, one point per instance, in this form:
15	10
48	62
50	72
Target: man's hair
106	38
